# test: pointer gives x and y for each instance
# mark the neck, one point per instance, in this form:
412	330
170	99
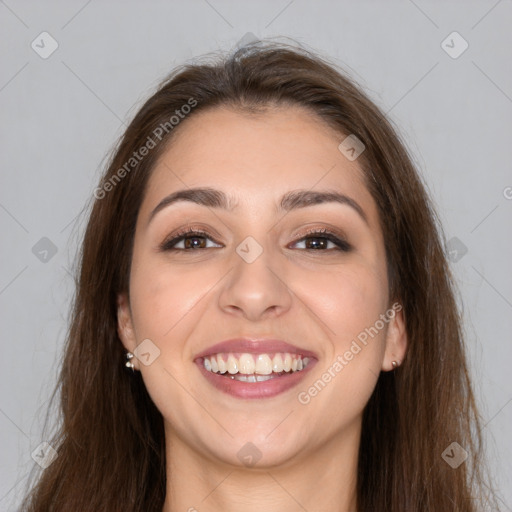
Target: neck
321	479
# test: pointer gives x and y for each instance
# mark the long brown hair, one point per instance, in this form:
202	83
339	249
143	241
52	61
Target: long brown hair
110	438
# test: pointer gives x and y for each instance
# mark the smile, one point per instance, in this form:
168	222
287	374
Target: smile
264	365
246	375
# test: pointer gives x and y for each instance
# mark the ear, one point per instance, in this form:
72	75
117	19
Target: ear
396	339
125	326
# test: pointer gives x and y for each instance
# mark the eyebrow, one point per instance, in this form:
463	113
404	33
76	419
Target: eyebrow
293	200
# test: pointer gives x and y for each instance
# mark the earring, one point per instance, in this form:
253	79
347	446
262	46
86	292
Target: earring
128	363
395	364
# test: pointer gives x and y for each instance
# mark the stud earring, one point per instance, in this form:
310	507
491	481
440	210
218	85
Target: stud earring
128	363
395	364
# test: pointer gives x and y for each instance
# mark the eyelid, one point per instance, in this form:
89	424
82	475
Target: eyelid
195	228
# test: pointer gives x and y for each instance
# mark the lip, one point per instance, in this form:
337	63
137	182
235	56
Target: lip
255	390
246	390
255	346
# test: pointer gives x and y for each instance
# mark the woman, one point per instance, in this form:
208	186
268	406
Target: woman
265	256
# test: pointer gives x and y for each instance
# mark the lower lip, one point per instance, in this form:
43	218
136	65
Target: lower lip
265	389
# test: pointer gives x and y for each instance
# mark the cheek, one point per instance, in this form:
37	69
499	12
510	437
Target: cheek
167	307
168	302
162	299
349	304
347	301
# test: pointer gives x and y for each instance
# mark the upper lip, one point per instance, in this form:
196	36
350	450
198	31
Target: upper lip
255	346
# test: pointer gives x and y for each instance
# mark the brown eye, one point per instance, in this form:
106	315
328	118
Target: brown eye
319	241
192	240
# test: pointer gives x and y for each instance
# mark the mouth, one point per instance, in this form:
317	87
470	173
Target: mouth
254	372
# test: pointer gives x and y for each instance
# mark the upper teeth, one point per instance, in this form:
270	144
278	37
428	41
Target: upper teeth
248	364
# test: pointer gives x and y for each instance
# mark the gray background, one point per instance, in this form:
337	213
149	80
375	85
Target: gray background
61	115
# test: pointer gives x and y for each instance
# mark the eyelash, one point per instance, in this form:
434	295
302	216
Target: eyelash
342	245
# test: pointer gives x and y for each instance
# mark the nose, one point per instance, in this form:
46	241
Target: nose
255	288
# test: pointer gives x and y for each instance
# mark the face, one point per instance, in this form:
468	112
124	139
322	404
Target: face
312	275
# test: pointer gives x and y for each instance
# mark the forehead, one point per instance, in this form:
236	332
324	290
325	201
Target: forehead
257	158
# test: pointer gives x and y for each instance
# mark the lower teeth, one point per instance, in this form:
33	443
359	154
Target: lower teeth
254	378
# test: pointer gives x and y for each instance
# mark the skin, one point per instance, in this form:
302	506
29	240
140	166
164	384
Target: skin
318	299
